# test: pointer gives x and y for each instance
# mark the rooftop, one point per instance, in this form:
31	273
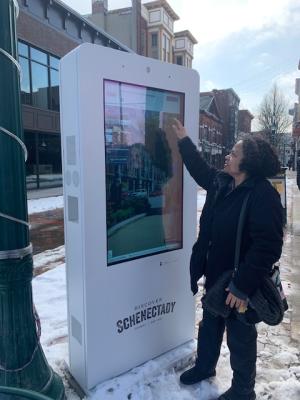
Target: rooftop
246	112
87	22
162	3
188	34
205	101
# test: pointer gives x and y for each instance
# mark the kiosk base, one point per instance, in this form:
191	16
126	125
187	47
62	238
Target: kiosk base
177	359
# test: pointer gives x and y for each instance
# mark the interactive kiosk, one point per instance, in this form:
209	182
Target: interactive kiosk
130	209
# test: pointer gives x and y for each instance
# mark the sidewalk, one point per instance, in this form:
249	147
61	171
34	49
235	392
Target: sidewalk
294	253
42	193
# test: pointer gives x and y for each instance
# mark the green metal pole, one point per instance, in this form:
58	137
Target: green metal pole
22	361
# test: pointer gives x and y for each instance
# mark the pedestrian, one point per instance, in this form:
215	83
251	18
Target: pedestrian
290	163
246	168
298	172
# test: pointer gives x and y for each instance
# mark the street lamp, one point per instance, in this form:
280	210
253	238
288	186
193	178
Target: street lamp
22	361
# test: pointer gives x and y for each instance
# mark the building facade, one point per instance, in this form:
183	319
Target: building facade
47	30
210	130
285	149
148	29
244	121
183	51
228	105
296	121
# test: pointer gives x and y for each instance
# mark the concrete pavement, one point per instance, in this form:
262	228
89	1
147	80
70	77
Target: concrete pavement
293	254
42	193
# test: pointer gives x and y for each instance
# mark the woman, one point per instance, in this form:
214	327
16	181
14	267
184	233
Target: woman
246	168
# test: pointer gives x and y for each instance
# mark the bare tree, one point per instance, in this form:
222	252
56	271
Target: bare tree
273	116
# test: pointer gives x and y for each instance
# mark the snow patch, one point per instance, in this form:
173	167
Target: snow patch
46	204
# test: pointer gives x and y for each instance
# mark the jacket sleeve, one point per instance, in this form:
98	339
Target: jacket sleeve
265	230
198	168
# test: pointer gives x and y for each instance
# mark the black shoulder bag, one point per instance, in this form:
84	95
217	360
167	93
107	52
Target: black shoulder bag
267	304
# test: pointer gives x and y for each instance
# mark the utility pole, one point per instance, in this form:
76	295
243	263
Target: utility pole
22	361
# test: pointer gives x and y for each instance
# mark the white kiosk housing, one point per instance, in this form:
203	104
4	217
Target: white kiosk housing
130	211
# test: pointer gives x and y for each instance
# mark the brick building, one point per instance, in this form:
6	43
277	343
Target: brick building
244	121
228	105
47	30
210	130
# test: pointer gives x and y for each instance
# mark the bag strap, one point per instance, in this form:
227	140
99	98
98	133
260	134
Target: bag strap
240	231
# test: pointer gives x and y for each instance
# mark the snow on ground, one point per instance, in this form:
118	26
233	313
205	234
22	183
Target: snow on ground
278	364
49	259
278	358
46	204
51	203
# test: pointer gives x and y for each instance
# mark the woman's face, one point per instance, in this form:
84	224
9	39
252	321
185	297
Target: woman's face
233	160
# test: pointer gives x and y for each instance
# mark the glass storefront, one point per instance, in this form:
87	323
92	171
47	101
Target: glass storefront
40	88
43	167
39	80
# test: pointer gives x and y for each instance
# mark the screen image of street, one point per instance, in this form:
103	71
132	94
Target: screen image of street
143	171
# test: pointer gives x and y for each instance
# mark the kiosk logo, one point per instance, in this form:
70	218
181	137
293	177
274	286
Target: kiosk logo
150	312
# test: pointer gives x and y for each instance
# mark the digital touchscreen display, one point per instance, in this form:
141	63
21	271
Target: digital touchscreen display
144	183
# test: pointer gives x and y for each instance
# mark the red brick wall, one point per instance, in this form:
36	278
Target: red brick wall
244	122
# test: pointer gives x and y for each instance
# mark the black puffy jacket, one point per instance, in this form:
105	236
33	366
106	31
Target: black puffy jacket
262	239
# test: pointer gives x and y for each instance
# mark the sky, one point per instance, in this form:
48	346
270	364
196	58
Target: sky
247	45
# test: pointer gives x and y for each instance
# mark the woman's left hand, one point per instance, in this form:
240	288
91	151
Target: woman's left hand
233	301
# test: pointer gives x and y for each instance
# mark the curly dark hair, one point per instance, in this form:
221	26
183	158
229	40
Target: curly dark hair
259	157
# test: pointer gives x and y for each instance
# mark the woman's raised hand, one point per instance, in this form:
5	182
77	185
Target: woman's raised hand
179	129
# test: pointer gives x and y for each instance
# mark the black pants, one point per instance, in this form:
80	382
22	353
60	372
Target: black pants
241	341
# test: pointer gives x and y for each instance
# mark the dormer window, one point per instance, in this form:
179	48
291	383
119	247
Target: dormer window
154	16
179	44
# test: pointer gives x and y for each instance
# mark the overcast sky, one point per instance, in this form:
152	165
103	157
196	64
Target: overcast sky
243	44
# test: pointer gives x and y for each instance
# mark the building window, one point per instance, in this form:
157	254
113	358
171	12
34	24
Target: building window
25	81
54	89
189	62
32	162
179	44
154	39
166	48
166	19
179	60
154	16
40	83
43	167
